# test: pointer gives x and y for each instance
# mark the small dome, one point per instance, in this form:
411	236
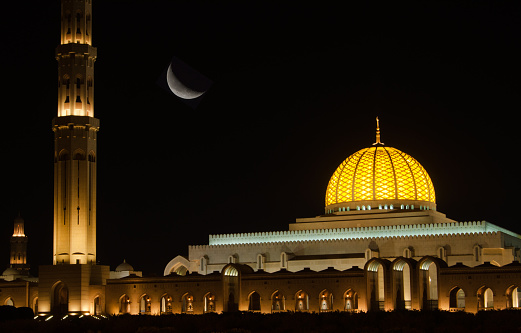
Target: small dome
379	174
10	271
124	267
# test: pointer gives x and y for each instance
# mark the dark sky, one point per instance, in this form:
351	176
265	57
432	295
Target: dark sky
296	89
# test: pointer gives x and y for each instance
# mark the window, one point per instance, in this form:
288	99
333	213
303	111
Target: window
203	263
477	253
260	261
368	254
283	260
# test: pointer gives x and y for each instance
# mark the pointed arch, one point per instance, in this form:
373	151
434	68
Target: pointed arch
145	304
513	294
188	303
60	298
402	282
325	299
376	271
63	155
124	304
78	155
209	303
301	301
254	301
166	304
179	265
351	300
428	275
278	301
485	296
457	299
96	305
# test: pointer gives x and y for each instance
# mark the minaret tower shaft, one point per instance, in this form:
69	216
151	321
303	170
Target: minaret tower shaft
75	135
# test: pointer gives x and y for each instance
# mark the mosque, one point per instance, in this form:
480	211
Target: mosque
380	244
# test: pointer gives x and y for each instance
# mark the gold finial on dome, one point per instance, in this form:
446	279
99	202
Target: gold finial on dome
378	142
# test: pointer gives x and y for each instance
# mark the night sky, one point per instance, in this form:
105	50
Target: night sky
296	89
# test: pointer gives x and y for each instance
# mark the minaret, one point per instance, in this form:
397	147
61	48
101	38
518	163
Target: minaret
18	258
75	133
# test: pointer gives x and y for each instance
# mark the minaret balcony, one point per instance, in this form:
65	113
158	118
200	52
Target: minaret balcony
66	49
76	120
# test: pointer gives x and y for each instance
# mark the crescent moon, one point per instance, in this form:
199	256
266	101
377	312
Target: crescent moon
178	88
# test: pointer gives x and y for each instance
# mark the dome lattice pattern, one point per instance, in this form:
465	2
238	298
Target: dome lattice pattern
379	173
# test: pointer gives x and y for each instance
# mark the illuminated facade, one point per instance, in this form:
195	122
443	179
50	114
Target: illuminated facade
74	283
380	202
381	244
75	139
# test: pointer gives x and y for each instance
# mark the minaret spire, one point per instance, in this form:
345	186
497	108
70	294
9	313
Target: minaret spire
378	142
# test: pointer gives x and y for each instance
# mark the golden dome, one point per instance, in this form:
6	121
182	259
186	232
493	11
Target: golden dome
377	176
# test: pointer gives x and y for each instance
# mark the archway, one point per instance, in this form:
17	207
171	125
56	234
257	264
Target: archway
145	304
350	300
457	299
124	304
97	305
325	299
60	299
402	292
209	303
166	304
376	284
513	297
254	303
278	302
429	283
301	301
188	303
9	301
231	286
485	298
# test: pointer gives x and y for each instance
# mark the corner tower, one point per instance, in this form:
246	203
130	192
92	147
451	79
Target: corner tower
75	135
